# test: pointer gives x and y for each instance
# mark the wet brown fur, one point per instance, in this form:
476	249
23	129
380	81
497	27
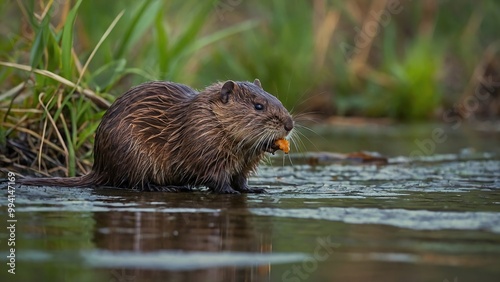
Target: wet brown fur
166	136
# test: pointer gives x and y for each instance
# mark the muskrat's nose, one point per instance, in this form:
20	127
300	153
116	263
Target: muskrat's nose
289	124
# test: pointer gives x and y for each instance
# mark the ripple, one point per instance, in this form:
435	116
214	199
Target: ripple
410	219
180	260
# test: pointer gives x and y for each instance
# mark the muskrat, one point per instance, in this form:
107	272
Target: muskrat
165	136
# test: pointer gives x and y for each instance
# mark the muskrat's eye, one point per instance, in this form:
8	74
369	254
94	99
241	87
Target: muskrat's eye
259	106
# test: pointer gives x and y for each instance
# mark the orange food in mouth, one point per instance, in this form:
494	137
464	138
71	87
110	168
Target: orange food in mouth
283	145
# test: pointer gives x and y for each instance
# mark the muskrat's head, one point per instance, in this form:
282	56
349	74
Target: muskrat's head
251	117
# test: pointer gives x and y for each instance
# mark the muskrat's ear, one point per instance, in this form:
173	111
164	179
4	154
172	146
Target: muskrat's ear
257	82
226	90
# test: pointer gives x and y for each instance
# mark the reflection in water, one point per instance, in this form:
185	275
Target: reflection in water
213	231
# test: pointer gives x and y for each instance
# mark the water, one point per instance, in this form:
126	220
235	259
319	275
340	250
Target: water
434	218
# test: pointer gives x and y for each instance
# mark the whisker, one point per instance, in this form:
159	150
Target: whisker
306	138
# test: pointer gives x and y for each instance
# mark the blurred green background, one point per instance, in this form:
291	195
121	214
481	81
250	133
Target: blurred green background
63	62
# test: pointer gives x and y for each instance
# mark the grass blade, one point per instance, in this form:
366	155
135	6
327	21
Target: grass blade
67	41
132	29
221	34
162	44
40	42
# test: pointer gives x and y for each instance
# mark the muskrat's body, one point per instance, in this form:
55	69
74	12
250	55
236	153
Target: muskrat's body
166	136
